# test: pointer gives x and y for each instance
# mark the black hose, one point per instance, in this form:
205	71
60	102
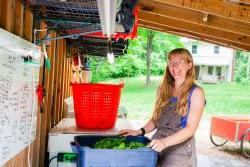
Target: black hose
52	158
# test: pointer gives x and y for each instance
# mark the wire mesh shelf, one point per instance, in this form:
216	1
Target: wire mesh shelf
68	12
71	10
74	18
66	28
99	46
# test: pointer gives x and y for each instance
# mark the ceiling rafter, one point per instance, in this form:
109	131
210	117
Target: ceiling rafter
193	35
198	29
224	8
196	17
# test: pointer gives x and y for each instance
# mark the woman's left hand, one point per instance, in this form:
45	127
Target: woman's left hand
158	145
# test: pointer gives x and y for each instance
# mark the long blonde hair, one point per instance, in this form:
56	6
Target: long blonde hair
165	90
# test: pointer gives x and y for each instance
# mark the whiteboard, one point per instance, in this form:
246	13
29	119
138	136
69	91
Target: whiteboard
18	101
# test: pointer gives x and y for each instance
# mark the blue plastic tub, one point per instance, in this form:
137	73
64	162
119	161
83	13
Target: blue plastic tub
89	157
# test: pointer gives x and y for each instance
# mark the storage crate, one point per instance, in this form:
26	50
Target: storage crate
96	105
141	157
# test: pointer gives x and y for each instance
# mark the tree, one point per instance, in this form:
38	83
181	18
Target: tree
138	61
149	50
242	67
248	68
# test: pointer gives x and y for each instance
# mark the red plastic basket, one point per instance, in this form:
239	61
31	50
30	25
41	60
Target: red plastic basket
96	105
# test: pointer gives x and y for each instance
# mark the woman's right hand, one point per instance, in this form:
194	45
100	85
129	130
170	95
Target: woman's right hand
130	132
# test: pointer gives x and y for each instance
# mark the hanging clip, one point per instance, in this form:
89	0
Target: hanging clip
40	92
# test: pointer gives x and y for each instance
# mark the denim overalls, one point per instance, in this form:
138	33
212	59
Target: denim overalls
169	122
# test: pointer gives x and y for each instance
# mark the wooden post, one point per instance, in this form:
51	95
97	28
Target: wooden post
19	17
28	22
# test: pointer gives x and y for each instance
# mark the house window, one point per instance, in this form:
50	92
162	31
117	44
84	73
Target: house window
216	49
194	49
210	70
218	71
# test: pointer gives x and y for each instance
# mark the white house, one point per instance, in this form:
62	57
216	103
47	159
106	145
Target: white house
213	63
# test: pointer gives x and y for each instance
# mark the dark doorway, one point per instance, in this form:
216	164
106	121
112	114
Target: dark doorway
197	71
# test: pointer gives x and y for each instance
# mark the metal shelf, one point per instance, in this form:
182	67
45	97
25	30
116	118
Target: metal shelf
75	18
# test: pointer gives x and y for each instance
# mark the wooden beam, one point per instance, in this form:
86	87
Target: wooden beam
63	79
28	22
7	15
199	29
225	8
37	147
43	115
180	32
67	78
50	88
19	15
196	17
59	58
193	36
70	74
57	81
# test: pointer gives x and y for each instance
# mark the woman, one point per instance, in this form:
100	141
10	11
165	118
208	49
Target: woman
178	109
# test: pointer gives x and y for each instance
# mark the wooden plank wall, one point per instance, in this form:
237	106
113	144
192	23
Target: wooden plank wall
18	19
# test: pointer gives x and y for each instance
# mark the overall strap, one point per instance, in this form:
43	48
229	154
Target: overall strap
190	95
184	118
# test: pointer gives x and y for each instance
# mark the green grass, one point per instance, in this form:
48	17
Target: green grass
227	98
222	99
138	98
